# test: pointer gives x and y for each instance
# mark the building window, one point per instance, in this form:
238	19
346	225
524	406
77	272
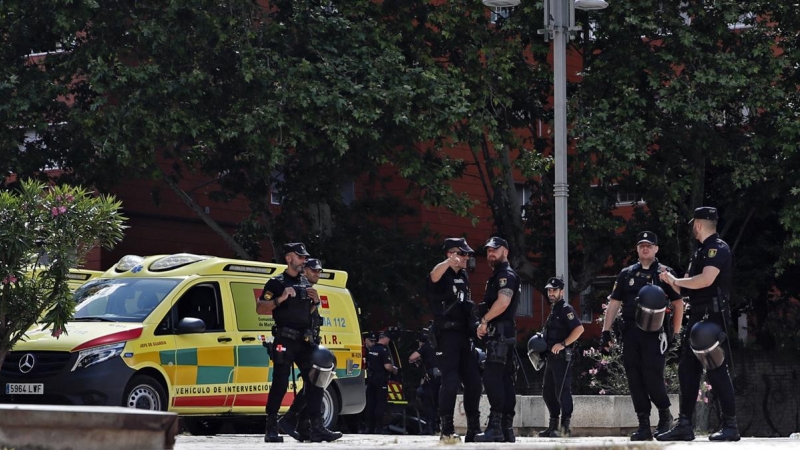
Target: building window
629	199
501	13
525	306
275	196
523	196
594	297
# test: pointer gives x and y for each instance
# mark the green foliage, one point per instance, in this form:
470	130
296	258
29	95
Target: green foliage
45	231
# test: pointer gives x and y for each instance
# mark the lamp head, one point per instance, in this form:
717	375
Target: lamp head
501	3
589	5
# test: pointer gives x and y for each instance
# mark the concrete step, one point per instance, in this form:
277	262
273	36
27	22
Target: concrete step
57	427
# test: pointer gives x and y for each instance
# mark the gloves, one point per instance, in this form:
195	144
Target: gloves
605	342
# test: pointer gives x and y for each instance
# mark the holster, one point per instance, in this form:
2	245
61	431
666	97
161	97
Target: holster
497	344
433	336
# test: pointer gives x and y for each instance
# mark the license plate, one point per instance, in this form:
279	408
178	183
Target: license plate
25	388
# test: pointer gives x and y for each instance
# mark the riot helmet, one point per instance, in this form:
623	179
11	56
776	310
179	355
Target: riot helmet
536	346
323	365
706	340
651	307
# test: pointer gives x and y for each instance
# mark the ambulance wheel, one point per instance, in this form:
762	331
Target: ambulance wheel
330	406
144	392
202	426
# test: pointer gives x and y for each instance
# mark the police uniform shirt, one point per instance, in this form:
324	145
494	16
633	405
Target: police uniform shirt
503	277
633	278
428	357
293	312
560	323
712	252
452	287
377	357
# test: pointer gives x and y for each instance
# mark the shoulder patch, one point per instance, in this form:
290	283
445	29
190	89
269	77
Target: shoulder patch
267	295
712	253
570	316
503	282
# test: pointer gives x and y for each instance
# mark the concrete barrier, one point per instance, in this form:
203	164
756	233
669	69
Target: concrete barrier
593	415
56	427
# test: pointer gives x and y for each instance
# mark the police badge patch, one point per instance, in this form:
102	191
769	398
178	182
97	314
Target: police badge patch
712	253
570	316
630	283
503	282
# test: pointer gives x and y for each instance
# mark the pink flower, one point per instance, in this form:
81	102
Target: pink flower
604	362
9	279
705	400
54	211
57	332
593	371
602	392
62	209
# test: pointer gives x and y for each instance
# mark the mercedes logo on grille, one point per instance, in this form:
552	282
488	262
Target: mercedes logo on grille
26	363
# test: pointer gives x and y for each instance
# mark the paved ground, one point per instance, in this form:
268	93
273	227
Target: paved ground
388	442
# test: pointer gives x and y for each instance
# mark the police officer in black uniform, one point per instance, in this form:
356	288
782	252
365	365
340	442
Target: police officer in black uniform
296	422
428	390
708	285
290	297
497	326
644	352
454	321
561	330
379	368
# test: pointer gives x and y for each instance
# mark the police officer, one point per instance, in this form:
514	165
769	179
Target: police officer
290	297
296	422
454	320
379	368
428	390
708	284
644	352
498	327
561	330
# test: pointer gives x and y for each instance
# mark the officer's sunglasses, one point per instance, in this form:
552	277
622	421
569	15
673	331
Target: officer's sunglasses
459	253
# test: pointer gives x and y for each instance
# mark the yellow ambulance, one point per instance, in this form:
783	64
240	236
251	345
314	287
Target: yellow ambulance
78	277
135	341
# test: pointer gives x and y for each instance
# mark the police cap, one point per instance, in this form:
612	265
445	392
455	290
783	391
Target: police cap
647	236
459	243
496	242
382	335
423	338
313	264
297	247
554	283
705	213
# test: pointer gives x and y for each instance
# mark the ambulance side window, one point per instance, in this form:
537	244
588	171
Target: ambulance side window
203	302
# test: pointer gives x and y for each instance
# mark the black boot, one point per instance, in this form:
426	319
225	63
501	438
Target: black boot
449	435
551	430
473	428
272	429
643	433
682	431
493	432
303	428
564	430
729	430
319	433
507	424
664	421
287	424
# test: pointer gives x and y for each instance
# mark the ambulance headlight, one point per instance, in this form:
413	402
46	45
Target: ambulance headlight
96	355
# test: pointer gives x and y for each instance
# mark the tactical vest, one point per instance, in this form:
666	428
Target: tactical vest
294	312
635	279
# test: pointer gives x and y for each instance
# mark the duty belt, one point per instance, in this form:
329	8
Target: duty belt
449	325
289	333
704	305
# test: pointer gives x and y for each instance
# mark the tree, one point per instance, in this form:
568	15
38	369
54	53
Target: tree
695	103
45	231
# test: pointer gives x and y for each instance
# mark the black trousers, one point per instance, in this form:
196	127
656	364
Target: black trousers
557	386
376	404
458	363
428	394
690	371
498	380
644	367
294	352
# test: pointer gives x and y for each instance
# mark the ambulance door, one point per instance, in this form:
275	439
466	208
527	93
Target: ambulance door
252	370
204	361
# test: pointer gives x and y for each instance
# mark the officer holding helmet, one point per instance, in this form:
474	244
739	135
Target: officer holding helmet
561	330
379	367
646	337
498	327
708	284
296	422
450	299
289	297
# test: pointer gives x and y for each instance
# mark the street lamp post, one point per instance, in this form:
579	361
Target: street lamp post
559	20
